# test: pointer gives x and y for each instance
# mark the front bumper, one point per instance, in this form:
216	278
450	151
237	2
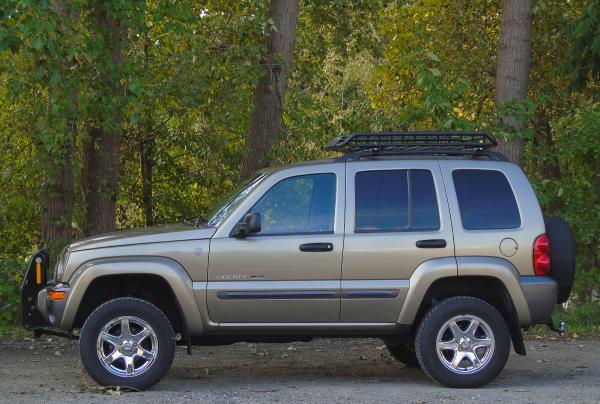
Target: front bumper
52	309
38	310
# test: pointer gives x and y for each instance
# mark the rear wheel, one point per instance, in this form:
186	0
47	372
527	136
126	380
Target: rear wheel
127	342
463	342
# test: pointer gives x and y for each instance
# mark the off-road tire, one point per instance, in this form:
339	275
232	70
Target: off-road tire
127	306
434	320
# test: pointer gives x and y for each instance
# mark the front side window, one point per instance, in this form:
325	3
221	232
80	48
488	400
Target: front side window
485	200
395	200
302	204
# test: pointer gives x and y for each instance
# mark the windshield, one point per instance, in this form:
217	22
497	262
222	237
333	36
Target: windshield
234	200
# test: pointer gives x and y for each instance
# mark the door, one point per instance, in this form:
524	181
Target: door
289	272
396	218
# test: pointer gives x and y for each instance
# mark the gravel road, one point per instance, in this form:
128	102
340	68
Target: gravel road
326	370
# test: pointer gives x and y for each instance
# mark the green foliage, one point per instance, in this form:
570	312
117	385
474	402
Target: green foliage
10	281
186	84
583	62
575	194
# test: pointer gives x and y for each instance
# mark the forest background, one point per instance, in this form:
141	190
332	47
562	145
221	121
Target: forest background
130	113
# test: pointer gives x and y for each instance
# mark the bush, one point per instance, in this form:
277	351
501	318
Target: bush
10	281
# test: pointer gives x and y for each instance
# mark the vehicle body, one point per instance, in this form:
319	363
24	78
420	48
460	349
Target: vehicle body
372	243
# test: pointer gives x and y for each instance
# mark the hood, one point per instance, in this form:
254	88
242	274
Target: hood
157	234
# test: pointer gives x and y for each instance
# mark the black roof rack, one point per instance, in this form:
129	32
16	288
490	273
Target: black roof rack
365	144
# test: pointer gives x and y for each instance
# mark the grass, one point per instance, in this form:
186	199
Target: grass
582	319
15	331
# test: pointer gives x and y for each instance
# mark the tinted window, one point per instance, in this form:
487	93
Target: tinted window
303	204
486	200
425	213
386	202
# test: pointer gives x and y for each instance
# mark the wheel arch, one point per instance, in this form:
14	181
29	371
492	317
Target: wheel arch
138	277
493	280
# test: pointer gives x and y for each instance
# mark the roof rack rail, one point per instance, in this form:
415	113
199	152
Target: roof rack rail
365	144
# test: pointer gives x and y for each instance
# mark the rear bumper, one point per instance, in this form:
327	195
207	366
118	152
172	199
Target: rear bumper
541	294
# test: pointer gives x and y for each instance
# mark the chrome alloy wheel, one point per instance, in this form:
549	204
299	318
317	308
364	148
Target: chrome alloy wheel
127	346
465	344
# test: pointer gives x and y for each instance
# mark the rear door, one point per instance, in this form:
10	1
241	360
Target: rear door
396	218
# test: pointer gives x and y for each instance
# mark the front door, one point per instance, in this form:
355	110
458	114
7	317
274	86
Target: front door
289	272
396	219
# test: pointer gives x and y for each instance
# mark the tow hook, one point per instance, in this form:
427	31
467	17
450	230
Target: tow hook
561	329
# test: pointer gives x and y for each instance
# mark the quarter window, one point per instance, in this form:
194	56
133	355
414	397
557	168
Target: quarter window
485	200
302	204
395	200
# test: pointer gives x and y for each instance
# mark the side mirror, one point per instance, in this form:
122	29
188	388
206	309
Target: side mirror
249	224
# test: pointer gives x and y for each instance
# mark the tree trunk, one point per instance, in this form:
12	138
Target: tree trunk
58	197
146	146
269	96
57	213
101	148
512	72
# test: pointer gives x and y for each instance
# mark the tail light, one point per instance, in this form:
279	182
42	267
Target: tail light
541	255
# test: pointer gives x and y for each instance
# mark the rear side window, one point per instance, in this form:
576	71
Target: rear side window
395	200
485	200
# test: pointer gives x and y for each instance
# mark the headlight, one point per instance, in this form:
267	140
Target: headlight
61	264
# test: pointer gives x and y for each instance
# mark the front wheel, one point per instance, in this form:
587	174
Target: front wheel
463	342
127	342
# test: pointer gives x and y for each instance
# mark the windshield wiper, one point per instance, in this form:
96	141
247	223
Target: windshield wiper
195	221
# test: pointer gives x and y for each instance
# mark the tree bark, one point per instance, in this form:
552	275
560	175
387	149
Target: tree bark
102	146
147	146
58	196
512	72
57	213
269	96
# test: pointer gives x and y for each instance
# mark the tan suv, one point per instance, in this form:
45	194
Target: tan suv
427	240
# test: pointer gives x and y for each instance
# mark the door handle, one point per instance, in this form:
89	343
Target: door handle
316	247
433	243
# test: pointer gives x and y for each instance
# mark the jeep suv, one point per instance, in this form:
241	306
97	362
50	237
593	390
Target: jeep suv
427	240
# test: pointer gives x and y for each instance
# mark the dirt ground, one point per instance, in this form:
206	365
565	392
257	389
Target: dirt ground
325	370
